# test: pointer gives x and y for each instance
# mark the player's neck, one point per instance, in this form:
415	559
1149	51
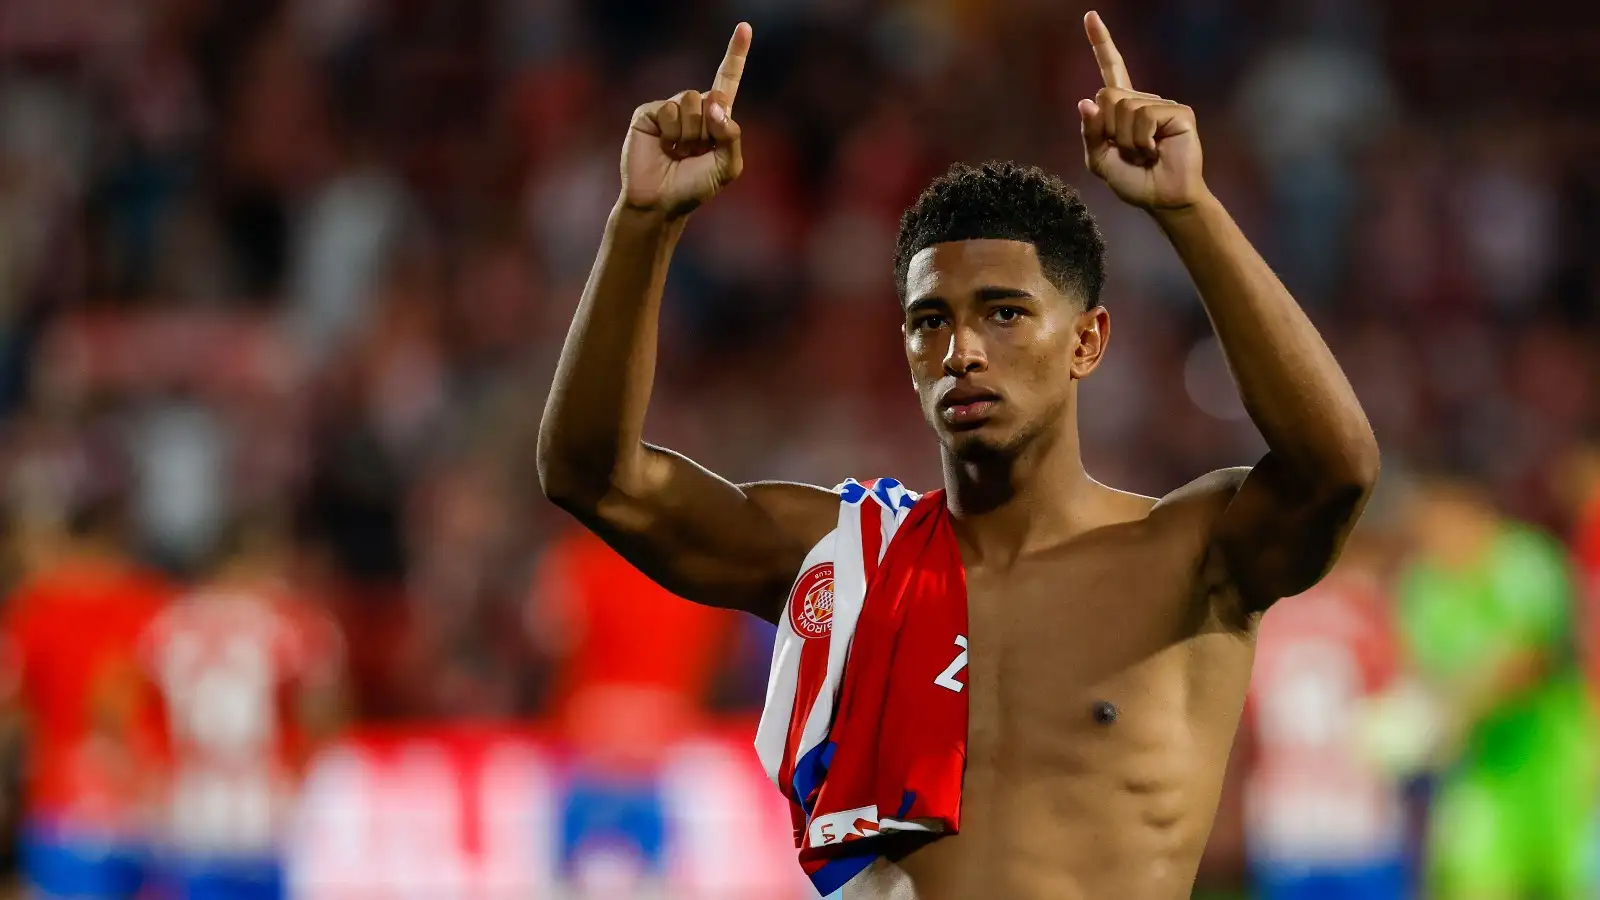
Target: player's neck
1007	506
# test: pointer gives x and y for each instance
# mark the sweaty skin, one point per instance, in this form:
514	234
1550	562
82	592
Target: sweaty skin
1111	634
1100	599
1057	804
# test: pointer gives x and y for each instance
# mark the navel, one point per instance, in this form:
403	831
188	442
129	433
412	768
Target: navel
1105	712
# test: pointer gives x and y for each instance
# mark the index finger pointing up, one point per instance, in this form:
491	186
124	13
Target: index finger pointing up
1105	53
732	68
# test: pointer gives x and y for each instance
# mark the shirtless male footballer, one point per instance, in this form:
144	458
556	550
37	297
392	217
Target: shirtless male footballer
1111	634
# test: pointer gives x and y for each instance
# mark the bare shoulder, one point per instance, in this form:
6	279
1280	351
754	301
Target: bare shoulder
1195	504
806	512
1209	494
1184	523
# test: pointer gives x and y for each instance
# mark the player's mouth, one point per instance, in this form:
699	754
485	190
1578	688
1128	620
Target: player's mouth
967	405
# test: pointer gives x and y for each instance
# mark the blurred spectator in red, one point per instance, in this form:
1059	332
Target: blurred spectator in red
251	674
634	665
1579	486
1324	815
95	756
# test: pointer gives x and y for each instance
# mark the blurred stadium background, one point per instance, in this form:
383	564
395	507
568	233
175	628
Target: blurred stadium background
282	283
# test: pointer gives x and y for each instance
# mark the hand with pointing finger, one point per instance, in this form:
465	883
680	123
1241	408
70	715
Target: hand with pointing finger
680	152
1144	147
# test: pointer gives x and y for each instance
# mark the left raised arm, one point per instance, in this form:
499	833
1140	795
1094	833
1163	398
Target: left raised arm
1286	521
1285	525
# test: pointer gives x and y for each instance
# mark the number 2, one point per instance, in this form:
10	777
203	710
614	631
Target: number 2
947	678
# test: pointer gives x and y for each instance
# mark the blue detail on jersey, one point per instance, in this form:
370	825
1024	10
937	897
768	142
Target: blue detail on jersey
809	771
906	799
889	492
883	490
852	491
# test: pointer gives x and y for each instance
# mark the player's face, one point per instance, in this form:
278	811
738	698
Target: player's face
993	346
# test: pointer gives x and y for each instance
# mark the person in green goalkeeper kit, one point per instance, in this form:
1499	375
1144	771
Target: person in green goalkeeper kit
1486	616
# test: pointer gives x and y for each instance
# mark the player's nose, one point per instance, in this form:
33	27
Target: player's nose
965	355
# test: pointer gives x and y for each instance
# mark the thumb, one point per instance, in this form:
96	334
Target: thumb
725	133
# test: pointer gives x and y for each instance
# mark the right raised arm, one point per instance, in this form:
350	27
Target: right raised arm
699	536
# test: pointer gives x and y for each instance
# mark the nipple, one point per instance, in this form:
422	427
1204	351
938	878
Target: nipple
1105	712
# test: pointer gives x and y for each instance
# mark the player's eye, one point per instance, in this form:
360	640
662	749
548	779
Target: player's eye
928	323
1006	314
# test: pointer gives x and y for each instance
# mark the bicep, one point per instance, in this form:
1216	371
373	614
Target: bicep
709	540
1277	537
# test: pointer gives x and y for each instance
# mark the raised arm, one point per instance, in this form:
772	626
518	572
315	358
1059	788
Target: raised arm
1288	517
734	546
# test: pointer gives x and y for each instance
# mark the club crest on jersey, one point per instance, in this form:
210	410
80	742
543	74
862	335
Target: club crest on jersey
811	602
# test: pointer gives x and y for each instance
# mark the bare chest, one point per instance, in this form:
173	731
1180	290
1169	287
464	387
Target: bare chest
1079	644
1091	678
1102	699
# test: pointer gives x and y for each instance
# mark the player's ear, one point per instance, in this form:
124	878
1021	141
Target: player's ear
1093	327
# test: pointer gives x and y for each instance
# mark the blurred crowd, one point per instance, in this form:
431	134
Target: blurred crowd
282	284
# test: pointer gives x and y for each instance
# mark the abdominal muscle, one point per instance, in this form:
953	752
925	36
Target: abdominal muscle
1054	837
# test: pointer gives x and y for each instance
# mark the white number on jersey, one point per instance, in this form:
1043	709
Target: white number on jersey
947	678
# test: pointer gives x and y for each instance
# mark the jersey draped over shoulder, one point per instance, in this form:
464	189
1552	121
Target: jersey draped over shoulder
865	723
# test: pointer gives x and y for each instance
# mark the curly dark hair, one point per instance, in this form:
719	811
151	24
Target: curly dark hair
1010	202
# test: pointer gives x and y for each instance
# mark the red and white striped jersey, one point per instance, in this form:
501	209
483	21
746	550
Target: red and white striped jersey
865	724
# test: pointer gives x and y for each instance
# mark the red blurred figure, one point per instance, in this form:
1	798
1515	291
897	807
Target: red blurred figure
1589	568
251	674
1582	489
1323	817
634	662
93	724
